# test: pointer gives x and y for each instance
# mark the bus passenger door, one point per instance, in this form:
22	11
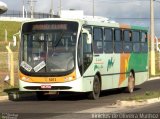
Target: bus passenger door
84	53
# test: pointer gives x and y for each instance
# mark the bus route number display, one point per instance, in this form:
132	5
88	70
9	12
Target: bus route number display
49	27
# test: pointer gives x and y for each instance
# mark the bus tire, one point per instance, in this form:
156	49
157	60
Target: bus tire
131	82
94	95
41	95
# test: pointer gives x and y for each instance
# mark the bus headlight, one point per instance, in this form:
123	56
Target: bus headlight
25	78
68	78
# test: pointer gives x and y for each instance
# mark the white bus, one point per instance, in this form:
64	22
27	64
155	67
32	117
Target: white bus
81	55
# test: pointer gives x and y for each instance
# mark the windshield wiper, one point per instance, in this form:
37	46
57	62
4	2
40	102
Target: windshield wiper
62	34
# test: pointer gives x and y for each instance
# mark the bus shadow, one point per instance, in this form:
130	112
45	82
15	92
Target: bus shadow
70	96
118	91
67	96
52	97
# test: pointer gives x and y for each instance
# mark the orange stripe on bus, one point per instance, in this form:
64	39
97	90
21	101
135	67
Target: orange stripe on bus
124	60
125	26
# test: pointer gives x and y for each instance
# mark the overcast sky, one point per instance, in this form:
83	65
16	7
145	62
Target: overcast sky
135	12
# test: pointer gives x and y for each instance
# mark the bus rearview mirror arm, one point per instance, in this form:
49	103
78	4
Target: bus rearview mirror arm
15	38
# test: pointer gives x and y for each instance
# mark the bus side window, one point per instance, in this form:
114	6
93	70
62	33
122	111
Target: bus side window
144	44
136	41
108	40
127	41
97	40
118	44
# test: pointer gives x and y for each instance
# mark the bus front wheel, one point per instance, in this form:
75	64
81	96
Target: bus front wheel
96	89
131	83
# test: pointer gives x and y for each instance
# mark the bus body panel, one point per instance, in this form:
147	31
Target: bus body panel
133	61
102	64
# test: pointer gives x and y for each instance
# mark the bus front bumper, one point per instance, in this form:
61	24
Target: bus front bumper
78	85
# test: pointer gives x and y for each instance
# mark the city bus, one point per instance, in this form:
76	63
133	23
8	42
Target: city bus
81	55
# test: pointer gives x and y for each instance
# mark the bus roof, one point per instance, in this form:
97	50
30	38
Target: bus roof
94	22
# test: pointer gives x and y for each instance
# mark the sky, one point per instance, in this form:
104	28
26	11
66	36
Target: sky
136	12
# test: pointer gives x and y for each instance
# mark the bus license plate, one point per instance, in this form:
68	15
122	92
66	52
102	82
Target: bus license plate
46	86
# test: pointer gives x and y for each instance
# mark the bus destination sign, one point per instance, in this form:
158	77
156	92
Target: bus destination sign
49	27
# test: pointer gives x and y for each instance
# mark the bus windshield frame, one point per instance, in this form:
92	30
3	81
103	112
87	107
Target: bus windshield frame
48	48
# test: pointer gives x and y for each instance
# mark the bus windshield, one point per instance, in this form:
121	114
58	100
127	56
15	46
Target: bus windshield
48	47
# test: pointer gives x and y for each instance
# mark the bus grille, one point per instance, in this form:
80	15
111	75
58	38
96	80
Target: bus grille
52	88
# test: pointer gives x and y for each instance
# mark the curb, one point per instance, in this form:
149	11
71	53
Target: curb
137	103
15	96
153	78
3	98
119	106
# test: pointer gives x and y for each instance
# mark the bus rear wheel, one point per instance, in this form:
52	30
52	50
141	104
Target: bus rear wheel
131	83
41	95
96	89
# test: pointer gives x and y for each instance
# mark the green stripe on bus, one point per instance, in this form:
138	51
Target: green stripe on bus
138	62
139	28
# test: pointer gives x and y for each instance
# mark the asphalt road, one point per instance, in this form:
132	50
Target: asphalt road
69	103
152	108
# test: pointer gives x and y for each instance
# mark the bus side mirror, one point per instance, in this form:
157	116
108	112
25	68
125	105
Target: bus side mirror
89	36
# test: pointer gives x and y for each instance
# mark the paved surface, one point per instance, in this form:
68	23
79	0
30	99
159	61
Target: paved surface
152	108
58	106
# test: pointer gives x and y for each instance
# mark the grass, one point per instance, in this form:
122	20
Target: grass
12	28
3	94
157	65
144	96
4	61
157	62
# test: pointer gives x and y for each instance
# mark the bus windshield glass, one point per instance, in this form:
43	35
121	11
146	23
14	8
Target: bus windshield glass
48	47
